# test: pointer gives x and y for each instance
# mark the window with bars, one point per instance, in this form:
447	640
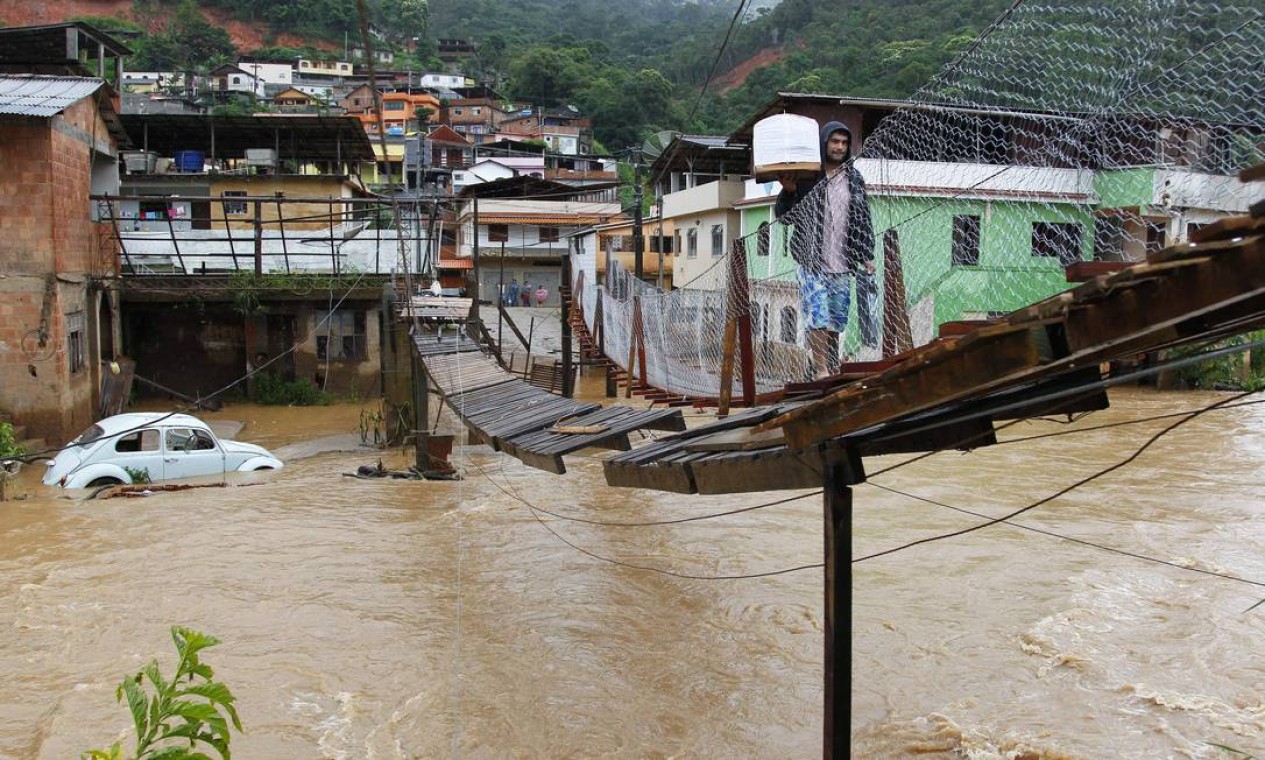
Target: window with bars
548	234
790	324
718	239
965	241
762	240
234	207
498	233
75	332
342	338
1057	240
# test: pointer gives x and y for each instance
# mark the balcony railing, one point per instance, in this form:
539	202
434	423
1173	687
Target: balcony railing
191	235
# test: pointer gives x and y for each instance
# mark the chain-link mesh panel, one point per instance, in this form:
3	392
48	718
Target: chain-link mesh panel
1068	132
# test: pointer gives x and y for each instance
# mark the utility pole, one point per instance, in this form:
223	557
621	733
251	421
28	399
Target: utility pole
639	242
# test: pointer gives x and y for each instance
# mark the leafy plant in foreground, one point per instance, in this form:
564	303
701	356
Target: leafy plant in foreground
191	709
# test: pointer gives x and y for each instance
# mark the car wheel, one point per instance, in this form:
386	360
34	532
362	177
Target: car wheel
105	482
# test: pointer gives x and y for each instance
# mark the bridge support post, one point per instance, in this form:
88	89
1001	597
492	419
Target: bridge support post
568	298
837	503
421	412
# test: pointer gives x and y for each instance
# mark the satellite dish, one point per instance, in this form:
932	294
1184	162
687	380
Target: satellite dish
655	144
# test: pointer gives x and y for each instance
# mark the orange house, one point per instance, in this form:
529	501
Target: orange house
399	112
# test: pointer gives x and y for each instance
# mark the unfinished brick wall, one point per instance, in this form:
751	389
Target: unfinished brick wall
48	246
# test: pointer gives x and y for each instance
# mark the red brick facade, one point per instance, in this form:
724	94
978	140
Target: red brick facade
51	264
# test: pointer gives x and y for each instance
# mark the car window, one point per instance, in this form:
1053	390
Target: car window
88	436
177	438
140	440
189	439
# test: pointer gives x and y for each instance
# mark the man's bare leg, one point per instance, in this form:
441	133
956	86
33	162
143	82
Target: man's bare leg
823	346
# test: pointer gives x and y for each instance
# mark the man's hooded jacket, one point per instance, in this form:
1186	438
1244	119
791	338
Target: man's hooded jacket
805	208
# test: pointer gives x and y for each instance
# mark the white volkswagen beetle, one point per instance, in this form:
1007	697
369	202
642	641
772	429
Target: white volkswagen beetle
167	446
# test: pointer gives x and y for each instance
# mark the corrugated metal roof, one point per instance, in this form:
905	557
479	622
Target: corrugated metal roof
43	96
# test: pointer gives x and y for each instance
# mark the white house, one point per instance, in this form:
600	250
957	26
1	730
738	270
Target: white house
269	73
502	167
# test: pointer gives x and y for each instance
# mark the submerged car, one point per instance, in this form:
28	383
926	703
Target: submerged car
125	447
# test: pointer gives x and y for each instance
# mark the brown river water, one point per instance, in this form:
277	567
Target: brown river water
394	619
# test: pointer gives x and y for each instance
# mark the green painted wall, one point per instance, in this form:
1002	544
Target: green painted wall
1008	275
1124	187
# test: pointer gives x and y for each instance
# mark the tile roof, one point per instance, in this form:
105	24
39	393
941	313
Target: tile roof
45	96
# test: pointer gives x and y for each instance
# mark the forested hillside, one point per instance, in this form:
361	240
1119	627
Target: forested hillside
634	66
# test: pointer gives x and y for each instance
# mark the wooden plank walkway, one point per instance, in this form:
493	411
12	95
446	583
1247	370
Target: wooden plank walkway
529	423
609	426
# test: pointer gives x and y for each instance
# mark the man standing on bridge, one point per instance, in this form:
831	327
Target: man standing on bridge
833	239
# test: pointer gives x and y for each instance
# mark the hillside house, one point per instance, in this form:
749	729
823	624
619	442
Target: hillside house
522	227
476	113
228	80
269	194
562	130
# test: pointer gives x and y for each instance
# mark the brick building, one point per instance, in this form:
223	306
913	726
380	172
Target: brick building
59	134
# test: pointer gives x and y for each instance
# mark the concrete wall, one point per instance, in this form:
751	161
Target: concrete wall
197	348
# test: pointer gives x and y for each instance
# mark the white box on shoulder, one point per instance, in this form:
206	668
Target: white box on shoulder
785	144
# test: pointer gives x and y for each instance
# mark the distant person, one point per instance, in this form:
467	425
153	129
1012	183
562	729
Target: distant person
436	289
833	239
512	297
542	295
526	294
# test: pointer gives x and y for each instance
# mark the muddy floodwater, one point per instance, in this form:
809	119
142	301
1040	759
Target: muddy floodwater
394	619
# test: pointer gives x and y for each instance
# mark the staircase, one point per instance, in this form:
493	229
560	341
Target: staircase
591	356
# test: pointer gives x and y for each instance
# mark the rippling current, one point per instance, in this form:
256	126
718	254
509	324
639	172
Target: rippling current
394	619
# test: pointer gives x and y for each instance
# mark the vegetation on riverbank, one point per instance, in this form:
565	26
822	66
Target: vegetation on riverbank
8	443
1233	372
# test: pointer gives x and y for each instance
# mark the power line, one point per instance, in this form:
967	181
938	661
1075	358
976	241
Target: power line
1074	540
716	61
1106	470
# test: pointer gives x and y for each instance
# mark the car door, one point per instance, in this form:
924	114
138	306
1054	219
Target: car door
138	451
189	452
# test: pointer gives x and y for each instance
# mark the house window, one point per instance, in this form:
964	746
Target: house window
234	207
153	210
498	233
965	241
790	326
718	239
691	243
342	337
394	105
457	110
1056	240
762	240
548	234
476	110
74	341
